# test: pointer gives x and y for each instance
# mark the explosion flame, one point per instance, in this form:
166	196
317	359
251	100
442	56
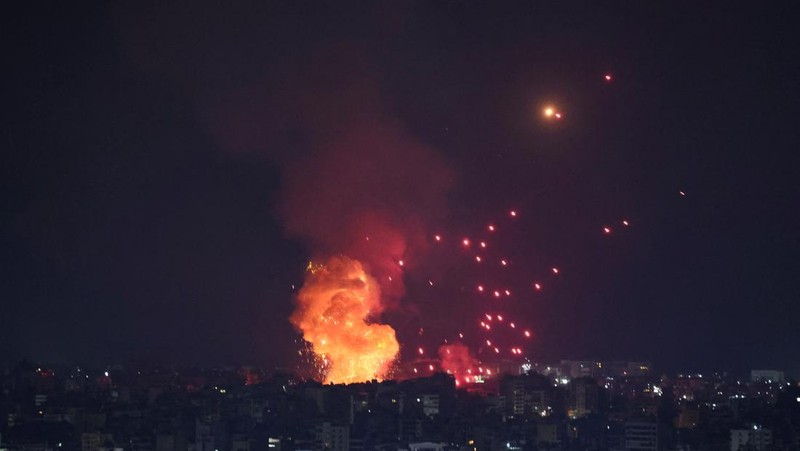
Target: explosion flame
333	309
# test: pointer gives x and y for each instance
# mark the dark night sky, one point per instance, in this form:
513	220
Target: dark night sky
146	152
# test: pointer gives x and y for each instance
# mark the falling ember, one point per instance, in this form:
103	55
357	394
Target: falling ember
497	294
478	258
512	213
465	242
537	286
625	223
480	288
513	326
483	244
681	193
491	228
608	77
606	230
421	351
400	262
527	334
333	309
504	262
437	238
555	270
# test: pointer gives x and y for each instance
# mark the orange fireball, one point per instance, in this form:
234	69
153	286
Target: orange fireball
333	312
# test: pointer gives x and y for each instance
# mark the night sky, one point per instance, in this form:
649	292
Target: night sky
168	171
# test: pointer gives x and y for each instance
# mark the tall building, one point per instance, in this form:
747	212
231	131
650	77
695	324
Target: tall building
583	397
766	376
641	435
96	441
332	437
550	434
753	438
513	389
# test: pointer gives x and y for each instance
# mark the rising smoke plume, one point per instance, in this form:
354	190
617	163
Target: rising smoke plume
356	186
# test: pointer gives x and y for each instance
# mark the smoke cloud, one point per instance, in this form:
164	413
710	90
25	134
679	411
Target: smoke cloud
456	358
356	186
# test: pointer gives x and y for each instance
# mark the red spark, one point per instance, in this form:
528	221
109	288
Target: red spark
527	333
499	318
491	228
555	270
478	258
497	294
437	238
537	286
513	326
480	288
421	351
512	213
681	193
503	262
400	262
483	244
608	77
508	293
606	230
465	242
625	223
